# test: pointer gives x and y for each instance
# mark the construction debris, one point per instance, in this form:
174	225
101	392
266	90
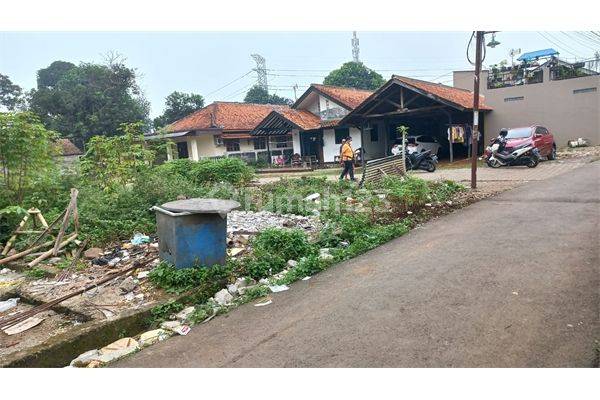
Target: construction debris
223	297
21	326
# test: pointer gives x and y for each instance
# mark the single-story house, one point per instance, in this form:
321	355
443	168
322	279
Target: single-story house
68	152
313	122
222	129
314	126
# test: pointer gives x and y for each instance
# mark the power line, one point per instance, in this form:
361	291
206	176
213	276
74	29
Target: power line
240	91
555	44
579	40
233	81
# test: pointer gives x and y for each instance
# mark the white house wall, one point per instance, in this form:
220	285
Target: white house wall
375	149
296	141
331	149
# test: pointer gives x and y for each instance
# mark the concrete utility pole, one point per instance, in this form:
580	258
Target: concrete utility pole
355	48
475	134
261	70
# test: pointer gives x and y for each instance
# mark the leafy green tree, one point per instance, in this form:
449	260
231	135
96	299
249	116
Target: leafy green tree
115	161
259	95
177	106
354	75
11	95
50	76
88	100
26	151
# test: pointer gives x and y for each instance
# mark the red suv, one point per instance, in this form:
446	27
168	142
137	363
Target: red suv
537	135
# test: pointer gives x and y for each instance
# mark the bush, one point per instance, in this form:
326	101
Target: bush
273	247
232	170
407	192
206	280
109	216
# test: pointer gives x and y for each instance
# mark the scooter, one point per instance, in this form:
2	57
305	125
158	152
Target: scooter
497	157
424	160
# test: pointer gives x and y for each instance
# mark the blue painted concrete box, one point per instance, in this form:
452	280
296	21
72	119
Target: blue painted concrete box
193	232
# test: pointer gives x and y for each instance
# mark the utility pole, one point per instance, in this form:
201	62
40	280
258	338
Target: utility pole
475	133
355	48
261	70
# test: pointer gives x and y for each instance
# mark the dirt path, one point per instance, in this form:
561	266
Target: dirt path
511	281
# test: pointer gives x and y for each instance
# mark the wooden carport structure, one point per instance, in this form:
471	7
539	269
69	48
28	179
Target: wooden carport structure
426	105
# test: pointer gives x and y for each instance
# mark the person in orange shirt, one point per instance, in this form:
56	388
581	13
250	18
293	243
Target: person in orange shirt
347	156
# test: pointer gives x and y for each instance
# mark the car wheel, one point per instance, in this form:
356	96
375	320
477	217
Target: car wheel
552	155
533	162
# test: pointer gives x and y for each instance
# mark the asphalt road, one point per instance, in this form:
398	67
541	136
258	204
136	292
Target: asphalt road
512	281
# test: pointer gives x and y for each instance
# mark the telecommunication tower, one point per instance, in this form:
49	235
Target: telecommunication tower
355	49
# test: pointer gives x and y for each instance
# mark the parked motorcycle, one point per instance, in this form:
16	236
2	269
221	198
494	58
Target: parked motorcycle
497	155
424	160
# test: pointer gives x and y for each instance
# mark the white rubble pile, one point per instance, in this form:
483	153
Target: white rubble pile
254	222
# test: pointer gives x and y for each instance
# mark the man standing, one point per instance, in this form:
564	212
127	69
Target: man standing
347	154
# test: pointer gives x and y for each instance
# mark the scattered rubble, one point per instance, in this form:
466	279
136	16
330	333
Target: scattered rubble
325	255
223	297
313	197
92	253
250	222
153	336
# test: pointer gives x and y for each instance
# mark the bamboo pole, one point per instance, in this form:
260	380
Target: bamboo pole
52	251
25	252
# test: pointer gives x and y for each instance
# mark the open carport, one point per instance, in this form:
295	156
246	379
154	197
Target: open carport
427	109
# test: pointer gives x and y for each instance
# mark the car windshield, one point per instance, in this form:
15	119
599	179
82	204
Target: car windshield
518	133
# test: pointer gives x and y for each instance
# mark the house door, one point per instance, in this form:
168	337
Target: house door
182	150
311	144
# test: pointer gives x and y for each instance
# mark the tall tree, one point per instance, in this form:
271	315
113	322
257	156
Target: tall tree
259	95
11	95
88	100
50	76
354	75
177	106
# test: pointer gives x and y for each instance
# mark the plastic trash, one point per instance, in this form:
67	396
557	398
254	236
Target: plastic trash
278	288
8	304
140	238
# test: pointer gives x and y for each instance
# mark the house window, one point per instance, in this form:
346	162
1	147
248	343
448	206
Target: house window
518	98
232	145
586	90
260	143
341	133
374	134
281	142
182	150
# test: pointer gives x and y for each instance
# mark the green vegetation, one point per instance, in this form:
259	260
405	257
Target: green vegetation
354	75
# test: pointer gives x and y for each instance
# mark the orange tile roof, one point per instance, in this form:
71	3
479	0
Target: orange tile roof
67	148
302	118
331	123
228	116
462	97
347	97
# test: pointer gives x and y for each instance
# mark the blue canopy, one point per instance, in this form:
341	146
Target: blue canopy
533	55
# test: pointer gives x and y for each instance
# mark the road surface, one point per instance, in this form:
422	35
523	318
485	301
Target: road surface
512	281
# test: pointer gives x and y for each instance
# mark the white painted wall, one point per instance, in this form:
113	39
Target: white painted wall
331	149
375	149
296	141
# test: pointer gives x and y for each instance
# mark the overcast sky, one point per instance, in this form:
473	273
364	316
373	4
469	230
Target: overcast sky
203	63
